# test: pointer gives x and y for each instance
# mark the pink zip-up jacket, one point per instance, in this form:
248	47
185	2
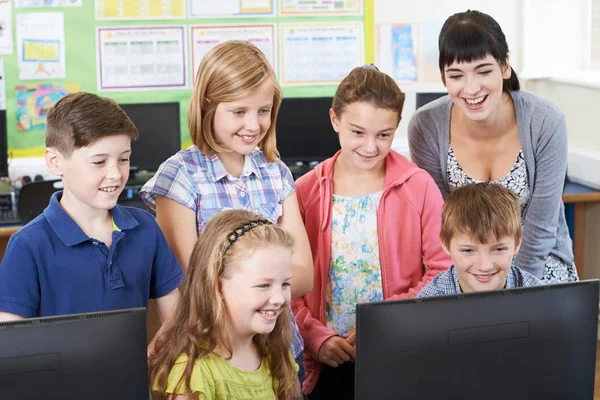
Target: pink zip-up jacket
408	228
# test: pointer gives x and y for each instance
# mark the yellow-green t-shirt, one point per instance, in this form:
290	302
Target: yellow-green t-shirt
213	377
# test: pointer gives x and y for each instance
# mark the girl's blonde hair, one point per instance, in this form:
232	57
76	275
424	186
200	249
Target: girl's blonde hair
199	323
229	72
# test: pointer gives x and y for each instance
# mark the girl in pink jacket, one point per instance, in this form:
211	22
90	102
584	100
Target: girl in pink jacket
373	222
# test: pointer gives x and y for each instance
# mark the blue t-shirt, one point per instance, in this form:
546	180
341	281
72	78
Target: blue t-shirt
51	267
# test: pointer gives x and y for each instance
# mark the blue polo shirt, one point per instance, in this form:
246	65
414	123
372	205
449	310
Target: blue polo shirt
51	267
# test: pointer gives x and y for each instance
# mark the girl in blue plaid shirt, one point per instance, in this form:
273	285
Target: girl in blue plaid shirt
233	162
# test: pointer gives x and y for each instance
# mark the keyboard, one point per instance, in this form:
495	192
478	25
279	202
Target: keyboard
9	217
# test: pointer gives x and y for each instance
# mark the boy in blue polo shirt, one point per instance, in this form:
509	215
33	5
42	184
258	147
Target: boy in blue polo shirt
85	253
481	231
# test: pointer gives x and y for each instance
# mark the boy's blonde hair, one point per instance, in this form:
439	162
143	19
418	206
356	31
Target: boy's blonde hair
79	119
229	72
369	85
200	322
484	211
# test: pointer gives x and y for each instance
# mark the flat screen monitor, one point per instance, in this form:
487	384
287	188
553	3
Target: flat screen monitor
428	97
94	356
160	135
3	145
523	343
304	131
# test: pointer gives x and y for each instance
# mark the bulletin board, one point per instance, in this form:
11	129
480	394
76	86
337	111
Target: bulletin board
84	22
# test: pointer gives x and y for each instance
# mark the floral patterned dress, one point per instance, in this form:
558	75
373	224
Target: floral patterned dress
555	270
355	270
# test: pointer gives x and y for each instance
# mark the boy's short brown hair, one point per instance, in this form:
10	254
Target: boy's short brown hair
483	211
78	119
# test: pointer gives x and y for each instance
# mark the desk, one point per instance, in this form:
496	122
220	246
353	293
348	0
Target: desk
580	196
5	234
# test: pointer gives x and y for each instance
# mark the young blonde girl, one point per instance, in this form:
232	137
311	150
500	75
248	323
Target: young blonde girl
233	163
373	222
230	333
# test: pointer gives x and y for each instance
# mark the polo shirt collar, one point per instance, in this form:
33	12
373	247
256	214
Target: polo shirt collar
69	232
252	164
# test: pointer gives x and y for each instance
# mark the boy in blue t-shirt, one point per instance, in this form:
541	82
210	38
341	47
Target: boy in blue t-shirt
85	253
481	231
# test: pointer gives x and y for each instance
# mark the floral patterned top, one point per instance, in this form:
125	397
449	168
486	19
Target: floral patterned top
355	270
516	180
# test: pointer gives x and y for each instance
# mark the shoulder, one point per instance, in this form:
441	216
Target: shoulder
308	185
143	217
433	113
190	159
524	278
200	380
402	175
277	167
34	234
536	107
441	284
399	167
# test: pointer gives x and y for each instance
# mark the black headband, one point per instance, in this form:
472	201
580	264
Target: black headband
248	226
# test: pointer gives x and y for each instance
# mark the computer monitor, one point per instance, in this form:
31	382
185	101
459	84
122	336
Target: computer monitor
427	97
304	131
160	135
3	145
94	356
523	343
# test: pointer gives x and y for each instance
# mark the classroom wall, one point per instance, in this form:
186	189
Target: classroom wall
580	105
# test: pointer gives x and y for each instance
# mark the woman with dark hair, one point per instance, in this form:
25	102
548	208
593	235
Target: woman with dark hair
487	129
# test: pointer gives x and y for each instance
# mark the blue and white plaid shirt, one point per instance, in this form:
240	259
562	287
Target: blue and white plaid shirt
447	282
202	184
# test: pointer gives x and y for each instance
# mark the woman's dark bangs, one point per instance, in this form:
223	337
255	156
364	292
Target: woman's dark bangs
465	43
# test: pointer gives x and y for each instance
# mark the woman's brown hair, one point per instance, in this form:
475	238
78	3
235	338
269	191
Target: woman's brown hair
199	324
229	72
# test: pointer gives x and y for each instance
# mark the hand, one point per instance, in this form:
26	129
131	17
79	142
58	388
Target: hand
335	351
350	337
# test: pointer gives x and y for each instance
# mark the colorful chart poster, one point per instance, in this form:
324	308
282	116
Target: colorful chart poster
321	7
206	37
47	3
397	56
139	58
6	35
41	45
139	9
313	54
33	102
231	8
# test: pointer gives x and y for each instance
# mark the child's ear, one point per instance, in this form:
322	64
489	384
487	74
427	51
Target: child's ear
54	160
221	289
446	250
518	245
335	122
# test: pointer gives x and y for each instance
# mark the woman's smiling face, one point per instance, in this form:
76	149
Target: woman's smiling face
476	87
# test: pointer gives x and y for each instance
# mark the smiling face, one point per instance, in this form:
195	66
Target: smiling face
366	133
476	87
240	125
258	291
93	176
479	266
